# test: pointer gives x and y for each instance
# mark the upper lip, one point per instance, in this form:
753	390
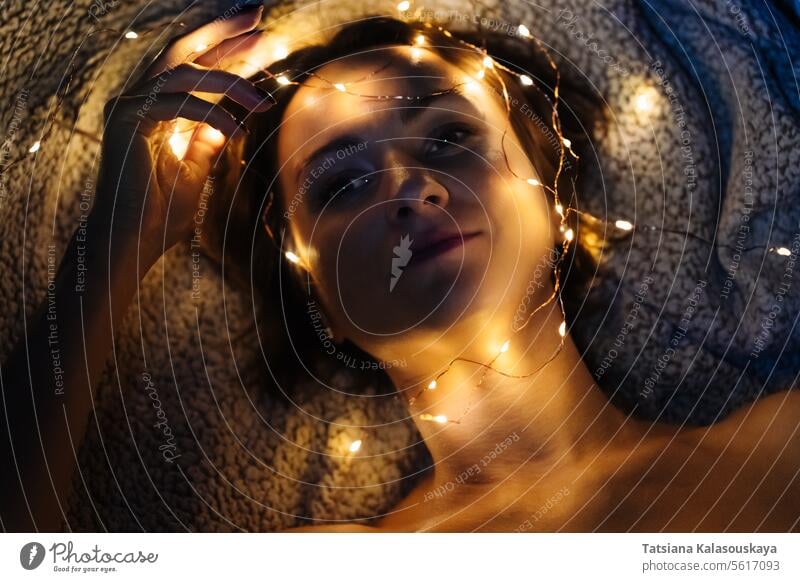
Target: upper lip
429	239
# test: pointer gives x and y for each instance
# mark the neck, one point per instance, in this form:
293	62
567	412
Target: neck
538	407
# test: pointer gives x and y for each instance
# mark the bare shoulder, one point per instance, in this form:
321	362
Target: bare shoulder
773	420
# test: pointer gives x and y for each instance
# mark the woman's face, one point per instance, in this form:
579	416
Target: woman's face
406	214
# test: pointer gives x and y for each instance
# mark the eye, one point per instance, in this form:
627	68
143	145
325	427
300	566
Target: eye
344	185
449	139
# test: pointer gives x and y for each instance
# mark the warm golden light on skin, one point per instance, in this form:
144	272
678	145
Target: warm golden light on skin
179	143
280	53
439	418
488	62
200	47
340	87
326	267
355	446
404	6
471	85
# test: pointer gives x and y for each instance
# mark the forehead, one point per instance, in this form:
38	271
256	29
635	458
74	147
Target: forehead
318	110
388	70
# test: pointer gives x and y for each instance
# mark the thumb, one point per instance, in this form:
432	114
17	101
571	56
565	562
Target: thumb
204	146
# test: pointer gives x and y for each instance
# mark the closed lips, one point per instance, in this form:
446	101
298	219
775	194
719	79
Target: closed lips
440	245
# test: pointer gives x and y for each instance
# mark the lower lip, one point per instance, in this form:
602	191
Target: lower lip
439	249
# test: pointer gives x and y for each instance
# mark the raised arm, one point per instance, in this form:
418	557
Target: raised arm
146	199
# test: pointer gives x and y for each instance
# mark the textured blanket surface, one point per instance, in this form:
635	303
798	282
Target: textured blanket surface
701	141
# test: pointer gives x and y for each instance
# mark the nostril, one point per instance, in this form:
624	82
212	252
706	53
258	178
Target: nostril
403	212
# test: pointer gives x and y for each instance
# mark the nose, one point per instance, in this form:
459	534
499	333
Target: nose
416	191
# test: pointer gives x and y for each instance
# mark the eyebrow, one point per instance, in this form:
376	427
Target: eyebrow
405	114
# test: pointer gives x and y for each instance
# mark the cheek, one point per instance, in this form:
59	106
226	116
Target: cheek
525	237
347	268
525	222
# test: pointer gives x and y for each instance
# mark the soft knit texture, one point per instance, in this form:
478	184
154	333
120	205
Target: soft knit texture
183	437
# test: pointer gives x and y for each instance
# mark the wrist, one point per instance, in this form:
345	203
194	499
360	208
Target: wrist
119	245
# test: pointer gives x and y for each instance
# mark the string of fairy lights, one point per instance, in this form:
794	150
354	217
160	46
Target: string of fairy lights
178	142
491	66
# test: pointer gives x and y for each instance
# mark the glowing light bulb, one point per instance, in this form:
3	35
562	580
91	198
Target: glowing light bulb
569	235
280	53
560	210
471	85
420	39
416	55
283	80
355	446
35	147
505	346
783	251
526	80
432	385
562	329
131	35
179	143
488	62
403	6
293	257
623	225
340	87
646	99
440	418
644	104
523	31
566	142
534	182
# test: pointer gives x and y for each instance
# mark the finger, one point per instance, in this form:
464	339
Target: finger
187	78
204	146
246	54
200	40
145	115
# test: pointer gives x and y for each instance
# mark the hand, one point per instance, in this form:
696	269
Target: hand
147	185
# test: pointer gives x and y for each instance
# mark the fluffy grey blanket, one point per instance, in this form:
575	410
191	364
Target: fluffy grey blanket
701	141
